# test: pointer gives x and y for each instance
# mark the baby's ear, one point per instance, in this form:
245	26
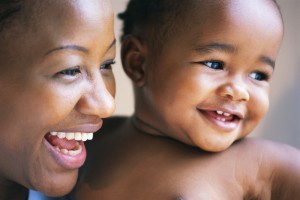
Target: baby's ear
133	59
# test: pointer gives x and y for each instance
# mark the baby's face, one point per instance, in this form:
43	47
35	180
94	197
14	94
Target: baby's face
209	87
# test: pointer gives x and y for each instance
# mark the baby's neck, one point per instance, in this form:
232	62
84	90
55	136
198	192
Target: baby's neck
144	127
13	191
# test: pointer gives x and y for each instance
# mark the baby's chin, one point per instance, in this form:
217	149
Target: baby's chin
214	146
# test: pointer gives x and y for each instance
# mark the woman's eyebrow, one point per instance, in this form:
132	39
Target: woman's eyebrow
112	44
71	46
77	48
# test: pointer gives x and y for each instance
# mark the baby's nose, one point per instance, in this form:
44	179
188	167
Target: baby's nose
235	91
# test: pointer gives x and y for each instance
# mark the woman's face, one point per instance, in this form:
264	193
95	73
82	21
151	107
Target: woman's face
55	77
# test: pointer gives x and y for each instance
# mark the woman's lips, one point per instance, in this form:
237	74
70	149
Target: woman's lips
66	146
68	155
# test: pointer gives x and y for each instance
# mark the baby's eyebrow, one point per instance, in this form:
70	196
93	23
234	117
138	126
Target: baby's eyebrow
208	48
227	48
267	60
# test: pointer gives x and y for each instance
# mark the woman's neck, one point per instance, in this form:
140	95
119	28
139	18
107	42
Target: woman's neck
12	191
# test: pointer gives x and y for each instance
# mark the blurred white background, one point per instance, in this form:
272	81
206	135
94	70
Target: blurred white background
282	123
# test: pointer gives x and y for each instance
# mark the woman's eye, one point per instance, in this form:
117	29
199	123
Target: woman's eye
107	65
217	65
259	76
70	72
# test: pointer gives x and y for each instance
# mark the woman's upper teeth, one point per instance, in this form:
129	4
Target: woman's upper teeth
73	136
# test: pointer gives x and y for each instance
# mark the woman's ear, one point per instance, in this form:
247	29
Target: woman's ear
133	59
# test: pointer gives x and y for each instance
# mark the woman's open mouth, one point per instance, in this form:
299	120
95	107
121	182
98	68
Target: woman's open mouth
67	148
68	143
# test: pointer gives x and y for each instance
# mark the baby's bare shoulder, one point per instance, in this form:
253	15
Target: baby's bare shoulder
270	150
278	165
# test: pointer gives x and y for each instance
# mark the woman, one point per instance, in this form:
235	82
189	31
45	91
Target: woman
56	84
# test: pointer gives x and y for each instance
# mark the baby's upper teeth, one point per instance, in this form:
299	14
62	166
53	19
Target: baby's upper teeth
220	112
71	136
223	113
226	114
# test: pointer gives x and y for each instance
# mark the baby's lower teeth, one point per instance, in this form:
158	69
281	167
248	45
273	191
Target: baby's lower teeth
221	119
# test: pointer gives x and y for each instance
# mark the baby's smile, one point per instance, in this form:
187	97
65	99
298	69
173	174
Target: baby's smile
225	120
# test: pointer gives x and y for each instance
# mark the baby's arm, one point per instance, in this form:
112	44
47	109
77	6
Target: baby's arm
286	172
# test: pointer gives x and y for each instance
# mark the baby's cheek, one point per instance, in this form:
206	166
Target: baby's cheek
257	109
262	105
258	105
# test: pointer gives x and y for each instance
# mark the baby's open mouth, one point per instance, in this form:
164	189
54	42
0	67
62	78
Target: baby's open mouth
223	116
224	120
68	143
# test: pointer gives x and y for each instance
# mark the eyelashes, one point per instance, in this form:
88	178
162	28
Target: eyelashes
219	65
260	76
70	72
108	65
73	73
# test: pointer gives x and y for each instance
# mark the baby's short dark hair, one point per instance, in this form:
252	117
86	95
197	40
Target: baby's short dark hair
154	20
151	20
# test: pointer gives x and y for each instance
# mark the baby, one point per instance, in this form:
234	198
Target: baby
201	72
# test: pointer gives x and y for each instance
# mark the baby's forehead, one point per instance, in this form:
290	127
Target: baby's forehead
209	14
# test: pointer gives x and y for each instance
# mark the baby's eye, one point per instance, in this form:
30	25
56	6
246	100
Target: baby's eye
107	65
217	65
259	76
70	72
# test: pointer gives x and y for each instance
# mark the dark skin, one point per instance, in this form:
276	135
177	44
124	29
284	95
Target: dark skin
193	110
131	164
55	77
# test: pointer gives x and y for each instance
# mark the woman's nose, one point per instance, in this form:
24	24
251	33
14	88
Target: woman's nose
97	99
234	91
